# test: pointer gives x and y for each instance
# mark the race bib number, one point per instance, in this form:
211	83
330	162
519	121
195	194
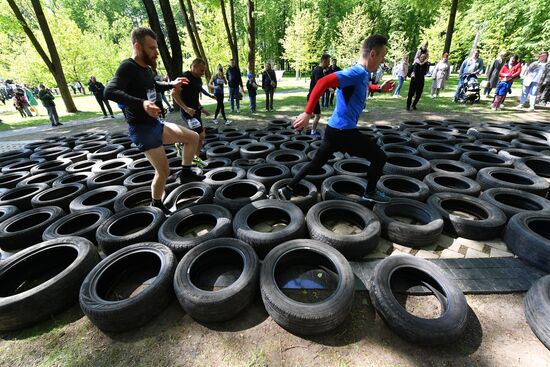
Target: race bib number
151	95
193	123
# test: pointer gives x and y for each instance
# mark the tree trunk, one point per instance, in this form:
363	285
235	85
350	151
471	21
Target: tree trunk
175	44
208	74
190	31
154	22
233	47
450	26
234	30
251	38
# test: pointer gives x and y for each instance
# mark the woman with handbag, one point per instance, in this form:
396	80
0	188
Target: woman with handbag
269	84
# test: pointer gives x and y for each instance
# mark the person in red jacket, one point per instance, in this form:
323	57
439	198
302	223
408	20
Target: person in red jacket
508	74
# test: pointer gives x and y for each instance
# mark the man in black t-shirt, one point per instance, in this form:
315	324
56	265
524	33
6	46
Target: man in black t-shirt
316	74
333	69
134	86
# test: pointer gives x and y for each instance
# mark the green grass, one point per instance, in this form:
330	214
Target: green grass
43	120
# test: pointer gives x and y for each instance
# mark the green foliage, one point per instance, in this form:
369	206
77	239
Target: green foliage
300	42
354	28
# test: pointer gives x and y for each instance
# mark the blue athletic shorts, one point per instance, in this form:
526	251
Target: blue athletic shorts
146	136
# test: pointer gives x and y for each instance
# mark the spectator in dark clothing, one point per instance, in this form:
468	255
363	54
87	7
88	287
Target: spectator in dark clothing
333	69
252	88
46	96
234	81
216	83
493	73
269	84
418	72
98	89
317	73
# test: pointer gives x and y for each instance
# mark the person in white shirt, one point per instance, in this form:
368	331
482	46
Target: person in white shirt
533	74
440	75
400	70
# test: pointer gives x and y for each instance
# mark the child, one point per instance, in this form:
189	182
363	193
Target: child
508	74
252	87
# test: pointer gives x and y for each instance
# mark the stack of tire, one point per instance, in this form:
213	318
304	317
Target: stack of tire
478	182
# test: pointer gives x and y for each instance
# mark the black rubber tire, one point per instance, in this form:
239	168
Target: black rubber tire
474	147
246	164
462	137
539	166
10	180
15	154
236	194
396	186
138	179
123	140
439	151
74	156
512	202
226	151
352	245
112	165
90	146
307	318
494	143
406	234
220	176
406	165
215	216
64	262
215	144
480	160
241	142
20	165
80	224
7	211
489	219
357	167
305	193
25	229
139	165
233	135
492	133
47	178
21	196
103	197
418	272
189	194
216	163
132	153
453	167
445	182
527	235
306	139
315	177
280	123
128	227
426	136
83	166
394	139
536	306
104	307
516	153
300	146
280	212
256	150
135	198
268	173
208	305
399	149
60	196
287	158
107	178
412	125
530	144
50	154
512	179
80	177
109	151
336	156
344	187
275	139
50	166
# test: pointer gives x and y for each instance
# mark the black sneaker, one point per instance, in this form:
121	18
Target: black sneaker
161	206
376	197
285	193
190	177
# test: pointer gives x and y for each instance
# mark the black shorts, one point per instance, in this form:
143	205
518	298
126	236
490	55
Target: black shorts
186	119
146	136
317	109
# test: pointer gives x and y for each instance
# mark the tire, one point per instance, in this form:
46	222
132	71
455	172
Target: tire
399	149
209	305
246	164
426	136
7	211
474	147
539	166
132	153
225	151
413	235
220	176
108	178
354	245
83	166
10	180
236	194
438	151
80	224
279	212
492	133
256	150
306	139
15	154
487	222
453	167
305	193
344	187
233	135
140	165
103	197
73	178
105	308
516	153
300	146
91	146
462	137
64	262
527	236
74	156
268	174
512	202
494	143
215	144
418	272
286	157
315	177
138	179
21	196
357	167
49	166
135	198
125	141
396	186
394	139
107	152
176	231
60	196
480	160
406	165
512	179
50	154
536	306
25	229
47	178
444	182
193	193
307	318
216	163
279	123
20	165
128	227
242	142
530	144
111	165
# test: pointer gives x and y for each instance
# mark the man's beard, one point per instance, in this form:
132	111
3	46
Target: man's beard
149	60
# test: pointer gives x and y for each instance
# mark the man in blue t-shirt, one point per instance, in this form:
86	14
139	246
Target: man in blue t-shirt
342	134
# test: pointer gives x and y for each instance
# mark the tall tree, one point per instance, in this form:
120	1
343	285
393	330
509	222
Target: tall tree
251	38
231	38
53	62
193	32
450	26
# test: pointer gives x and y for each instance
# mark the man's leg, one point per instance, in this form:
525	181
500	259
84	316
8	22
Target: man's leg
157	157
418	93
272	94
173	133
533	95
412	89
232	98
458	88
219	104
524	95
50	116
108	107
316	119
237	101
100	102
56	118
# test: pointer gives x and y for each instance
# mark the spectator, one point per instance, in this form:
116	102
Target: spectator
32	101
508	73
544	87
98	89
73	88
3	93
423	50
418	72
46	97
531	81
252	88
376	78
400	71
269	84
440	75
493	73
78	85
216	83
333	69
317	73
160	95
472	65
234	81
21	103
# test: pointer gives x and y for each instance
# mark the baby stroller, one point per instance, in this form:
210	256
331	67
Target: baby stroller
469	90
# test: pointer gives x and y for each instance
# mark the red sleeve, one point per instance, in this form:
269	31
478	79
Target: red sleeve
329	81
504	72
516	71
374	88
